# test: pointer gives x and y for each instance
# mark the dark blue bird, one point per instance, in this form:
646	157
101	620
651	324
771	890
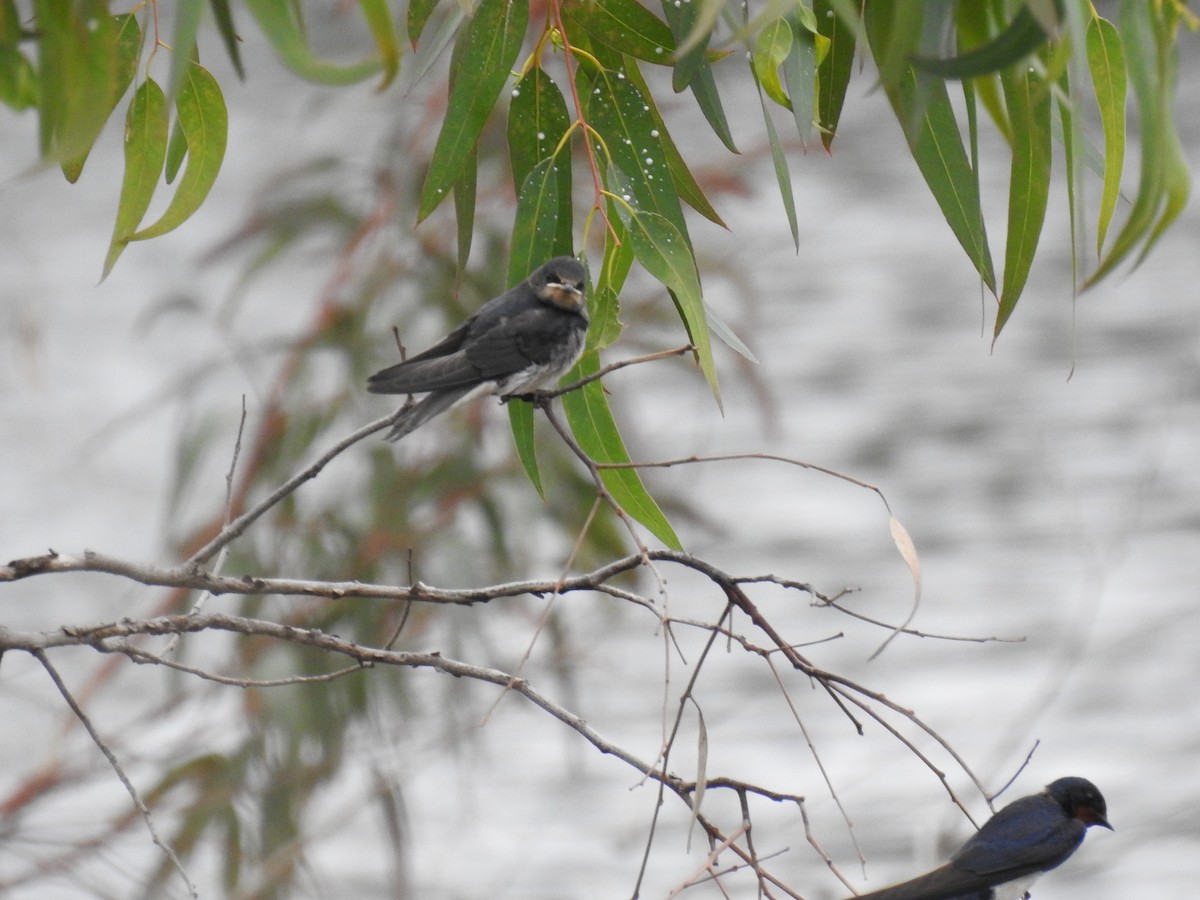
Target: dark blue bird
519	342
1028	837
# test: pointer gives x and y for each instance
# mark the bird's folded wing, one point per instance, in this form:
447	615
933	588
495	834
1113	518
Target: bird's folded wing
1029	835
533	337
416	376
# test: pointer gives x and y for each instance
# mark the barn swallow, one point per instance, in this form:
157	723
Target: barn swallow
519	342
1030	836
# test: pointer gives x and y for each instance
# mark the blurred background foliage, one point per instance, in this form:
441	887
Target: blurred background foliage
550	139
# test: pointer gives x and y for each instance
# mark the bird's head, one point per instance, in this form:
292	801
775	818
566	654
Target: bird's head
560	283
1080	799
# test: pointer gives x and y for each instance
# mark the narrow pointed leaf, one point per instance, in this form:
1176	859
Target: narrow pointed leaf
704	89
86	63
536	236
931	129
520	420
686	186
1163	183
145	150
664	253
783	176
1029	110
183	42
593	426
800	74
681	18
18	80
379	20
772	47
625	26
278	21
537	122
1106	62
604	303
895	28
621	114
1021	37
833	74
937	147
176	153
204	122
484	54
419	12
464	210
223	17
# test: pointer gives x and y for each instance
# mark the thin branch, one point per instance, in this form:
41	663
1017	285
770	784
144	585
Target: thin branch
41	657
615	366
238	526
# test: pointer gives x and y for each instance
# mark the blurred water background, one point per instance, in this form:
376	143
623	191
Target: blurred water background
1051	487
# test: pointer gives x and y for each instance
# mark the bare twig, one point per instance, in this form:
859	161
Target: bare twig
41	657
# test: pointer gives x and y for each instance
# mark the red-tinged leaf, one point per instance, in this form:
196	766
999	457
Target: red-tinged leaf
484	55
145	149
593	426
204	123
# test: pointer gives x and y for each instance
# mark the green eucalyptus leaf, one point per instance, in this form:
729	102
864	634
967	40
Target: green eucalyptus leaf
223	17
204	123
833	74
537	124
1106	62
1029	113
145	149
379	20
594	428
625	26
484	55
280	22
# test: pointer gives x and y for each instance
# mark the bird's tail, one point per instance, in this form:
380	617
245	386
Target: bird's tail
412	418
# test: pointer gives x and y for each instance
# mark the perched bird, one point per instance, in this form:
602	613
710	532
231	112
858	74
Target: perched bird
1030	836
519	342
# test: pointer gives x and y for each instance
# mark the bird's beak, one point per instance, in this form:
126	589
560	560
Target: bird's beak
1089	816
566	296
